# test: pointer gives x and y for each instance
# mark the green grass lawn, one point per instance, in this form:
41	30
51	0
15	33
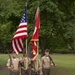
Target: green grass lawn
65	64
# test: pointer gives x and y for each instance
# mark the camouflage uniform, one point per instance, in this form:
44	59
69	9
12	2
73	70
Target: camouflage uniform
15	63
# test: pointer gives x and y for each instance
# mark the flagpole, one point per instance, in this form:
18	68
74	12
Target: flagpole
37	63
38	54
26	45
27	23
35	39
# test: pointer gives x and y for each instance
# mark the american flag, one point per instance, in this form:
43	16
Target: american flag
21	33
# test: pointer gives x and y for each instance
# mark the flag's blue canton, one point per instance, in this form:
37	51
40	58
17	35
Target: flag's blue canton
24	17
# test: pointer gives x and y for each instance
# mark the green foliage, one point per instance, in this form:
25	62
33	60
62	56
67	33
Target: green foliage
57	22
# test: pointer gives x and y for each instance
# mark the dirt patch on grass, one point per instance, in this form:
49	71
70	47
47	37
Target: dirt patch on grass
4	70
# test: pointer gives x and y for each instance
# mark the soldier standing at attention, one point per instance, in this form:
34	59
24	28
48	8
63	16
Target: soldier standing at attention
45	64
24	63
13	64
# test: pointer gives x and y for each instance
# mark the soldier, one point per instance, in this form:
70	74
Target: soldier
13	64
24	62
36	66
46	62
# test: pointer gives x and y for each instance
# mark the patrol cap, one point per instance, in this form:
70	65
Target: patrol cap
13	52
47	50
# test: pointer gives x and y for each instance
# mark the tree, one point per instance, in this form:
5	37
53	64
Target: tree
57	22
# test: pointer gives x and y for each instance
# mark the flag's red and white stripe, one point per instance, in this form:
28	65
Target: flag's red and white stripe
17	41
17	45
21	33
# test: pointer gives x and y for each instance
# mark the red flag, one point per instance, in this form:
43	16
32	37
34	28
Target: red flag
21	33
35	36
34	49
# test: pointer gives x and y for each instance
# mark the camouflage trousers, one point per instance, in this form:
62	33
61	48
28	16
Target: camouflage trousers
33	72
14	73
37	73
27	72
24	72
46	71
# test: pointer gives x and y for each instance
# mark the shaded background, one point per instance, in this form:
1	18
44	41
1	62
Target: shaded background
57	31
